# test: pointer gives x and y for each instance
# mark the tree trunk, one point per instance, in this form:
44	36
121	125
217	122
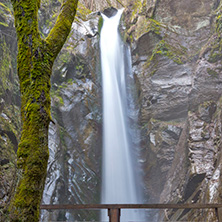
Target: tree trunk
34	64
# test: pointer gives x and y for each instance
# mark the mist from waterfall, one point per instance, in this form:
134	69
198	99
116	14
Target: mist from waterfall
118	177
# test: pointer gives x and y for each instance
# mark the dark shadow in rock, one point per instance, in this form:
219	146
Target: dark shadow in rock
192	184
12	138
4	162
109	12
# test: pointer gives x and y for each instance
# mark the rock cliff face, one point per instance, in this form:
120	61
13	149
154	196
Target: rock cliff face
75	138
176	68
9	108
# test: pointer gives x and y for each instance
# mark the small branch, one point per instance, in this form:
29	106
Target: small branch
62	27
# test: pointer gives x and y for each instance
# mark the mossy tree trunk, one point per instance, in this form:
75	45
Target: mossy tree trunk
34	64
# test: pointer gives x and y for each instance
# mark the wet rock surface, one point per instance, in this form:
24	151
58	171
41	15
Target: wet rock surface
110	12
177	69
75	138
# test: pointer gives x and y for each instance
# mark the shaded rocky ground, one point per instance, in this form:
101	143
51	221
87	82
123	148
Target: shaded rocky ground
176	62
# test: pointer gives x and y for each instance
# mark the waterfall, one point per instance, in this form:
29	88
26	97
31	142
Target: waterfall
118	179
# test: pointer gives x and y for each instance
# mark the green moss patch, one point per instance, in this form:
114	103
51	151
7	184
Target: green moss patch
212	73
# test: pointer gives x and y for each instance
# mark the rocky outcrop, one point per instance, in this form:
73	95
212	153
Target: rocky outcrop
177	67
101	5
109	12
197	179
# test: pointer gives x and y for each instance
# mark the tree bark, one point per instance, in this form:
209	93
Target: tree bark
34	65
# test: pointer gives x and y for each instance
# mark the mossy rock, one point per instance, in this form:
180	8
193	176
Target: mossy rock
212	73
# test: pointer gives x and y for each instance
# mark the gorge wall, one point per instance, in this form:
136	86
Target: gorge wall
177	66
10	123
177	63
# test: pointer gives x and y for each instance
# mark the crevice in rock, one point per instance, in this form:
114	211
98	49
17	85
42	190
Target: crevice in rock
192	184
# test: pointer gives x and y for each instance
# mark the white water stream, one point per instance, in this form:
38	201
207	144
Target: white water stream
118	179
